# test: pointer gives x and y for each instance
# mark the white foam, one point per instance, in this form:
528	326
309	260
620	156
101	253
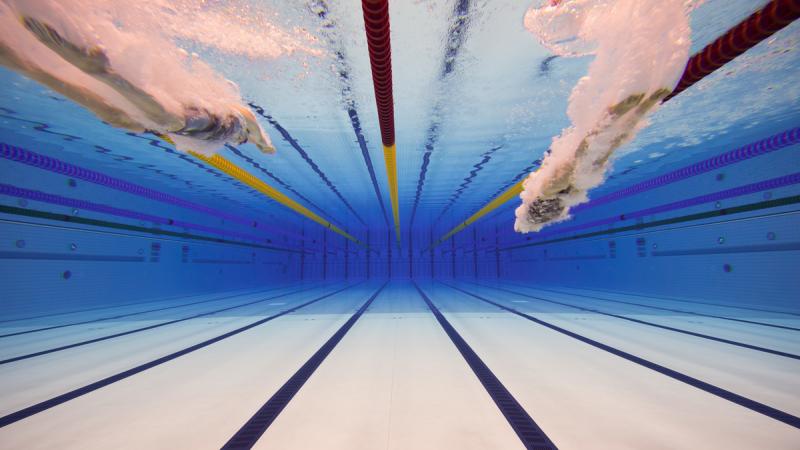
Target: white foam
639	47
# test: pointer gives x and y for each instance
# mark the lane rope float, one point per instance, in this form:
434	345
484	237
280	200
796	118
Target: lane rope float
376	25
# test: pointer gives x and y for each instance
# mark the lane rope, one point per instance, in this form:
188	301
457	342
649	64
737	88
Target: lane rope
376	25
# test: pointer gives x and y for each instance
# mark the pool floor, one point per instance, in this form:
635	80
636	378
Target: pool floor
592	369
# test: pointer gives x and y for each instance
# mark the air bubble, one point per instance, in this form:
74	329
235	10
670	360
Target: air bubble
73	246
720	240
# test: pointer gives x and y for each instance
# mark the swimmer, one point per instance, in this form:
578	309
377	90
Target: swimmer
192	126
562	191
628	77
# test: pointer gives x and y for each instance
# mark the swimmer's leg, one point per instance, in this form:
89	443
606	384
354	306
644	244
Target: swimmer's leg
102	109
94	62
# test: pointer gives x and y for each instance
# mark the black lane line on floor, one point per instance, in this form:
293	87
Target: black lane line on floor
71	395
671	299
750	404
254	428
120	316
651	324
527	430
149	327
713	316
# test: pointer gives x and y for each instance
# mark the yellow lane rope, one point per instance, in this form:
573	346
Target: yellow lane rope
510	193
242	175
390	156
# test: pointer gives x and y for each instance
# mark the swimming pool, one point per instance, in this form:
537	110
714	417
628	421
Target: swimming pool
365	286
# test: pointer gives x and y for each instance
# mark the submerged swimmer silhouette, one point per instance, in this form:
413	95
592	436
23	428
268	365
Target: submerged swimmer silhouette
630	74
193	124
560	192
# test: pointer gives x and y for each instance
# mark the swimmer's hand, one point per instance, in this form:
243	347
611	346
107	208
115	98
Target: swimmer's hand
255	133
265	148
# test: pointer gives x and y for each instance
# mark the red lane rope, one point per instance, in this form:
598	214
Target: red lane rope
376	23
759	26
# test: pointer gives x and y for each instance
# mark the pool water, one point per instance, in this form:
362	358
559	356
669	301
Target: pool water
149	299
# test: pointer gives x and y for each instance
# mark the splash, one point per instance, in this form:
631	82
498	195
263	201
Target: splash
233	27
135	75
640	49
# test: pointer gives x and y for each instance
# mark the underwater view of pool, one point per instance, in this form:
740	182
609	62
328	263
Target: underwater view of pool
427	224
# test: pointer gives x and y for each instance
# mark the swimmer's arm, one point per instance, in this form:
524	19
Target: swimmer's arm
106	112
93	61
